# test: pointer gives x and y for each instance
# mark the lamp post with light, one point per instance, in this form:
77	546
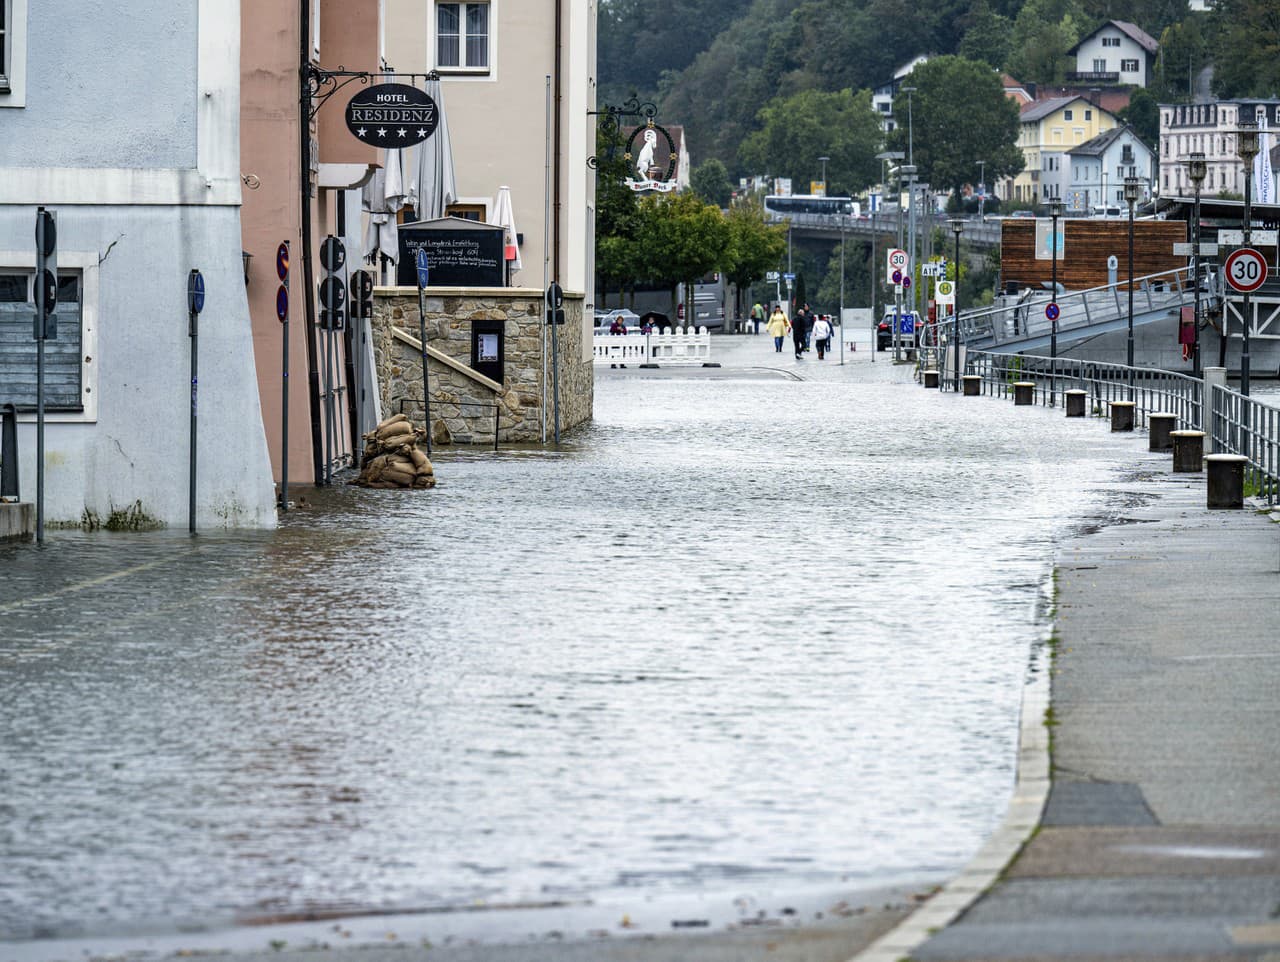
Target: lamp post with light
1247	148
982	190
1132	185
824	175
957	226
1196	170
1055	211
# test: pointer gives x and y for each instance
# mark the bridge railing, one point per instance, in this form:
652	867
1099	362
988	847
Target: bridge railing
1237	424
1162	291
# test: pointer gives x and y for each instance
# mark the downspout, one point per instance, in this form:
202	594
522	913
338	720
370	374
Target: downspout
555	173
308	274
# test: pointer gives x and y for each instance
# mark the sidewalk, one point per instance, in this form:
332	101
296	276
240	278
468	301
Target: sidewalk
1160	838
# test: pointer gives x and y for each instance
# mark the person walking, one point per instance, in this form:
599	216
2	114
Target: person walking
822	335
809	317
778	327
757	316
799	331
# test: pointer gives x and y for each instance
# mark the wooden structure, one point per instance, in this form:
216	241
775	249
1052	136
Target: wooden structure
1086	245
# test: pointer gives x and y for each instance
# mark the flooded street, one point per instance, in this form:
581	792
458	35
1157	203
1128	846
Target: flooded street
744	631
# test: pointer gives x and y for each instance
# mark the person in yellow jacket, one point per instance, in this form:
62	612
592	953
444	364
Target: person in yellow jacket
778	327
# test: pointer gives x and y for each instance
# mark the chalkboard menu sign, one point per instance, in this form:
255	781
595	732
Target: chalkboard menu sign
460	253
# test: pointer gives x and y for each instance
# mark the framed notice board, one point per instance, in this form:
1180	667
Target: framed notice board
460	253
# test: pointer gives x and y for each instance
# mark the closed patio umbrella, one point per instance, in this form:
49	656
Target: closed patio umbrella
434	187
503	216
382	197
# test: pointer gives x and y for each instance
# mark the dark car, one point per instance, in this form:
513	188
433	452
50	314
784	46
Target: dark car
884	331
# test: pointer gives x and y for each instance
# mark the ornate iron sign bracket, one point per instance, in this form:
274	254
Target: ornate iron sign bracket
613	117
322	84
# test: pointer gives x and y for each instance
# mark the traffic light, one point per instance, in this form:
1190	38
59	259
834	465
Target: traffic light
362	294
555	304
45	327
333	290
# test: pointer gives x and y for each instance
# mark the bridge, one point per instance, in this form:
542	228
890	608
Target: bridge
977	234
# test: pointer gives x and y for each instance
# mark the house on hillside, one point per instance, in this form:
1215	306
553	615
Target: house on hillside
883	94
1099	166
1118	52
1049	129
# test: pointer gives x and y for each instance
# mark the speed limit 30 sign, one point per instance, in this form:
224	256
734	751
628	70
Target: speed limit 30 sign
897	260
1246	270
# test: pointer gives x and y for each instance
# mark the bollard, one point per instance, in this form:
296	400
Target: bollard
1076	399
1122	415
930	378
1188	451
1225	485
972	385
1160	426
9	455
1024	392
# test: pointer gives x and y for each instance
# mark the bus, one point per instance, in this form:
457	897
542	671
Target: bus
778	207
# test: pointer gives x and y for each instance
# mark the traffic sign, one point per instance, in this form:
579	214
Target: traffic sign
332	254
897	260
788	277
930	270
1188	250
946	292
906	282
282	303
1246	270
1234	238
772	277
897	277
333	293
1051	311
282	261
421	260
195	292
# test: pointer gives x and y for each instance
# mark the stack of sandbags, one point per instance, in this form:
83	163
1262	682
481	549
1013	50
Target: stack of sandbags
392	458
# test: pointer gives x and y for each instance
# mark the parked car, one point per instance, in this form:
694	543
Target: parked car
884	331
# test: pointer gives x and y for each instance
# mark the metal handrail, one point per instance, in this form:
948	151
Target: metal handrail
1085	308
1246	426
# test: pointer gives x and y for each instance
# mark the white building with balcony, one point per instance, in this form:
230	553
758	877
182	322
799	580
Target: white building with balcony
1208	128
1117	52
1098	168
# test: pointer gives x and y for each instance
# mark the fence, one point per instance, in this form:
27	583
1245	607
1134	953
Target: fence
1237	424
655	348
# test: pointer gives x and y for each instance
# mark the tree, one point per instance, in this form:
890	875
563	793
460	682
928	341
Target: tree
987	38
1143	115
1043	32
960	115
1245	47
797	130
617	254
755	248
710	181
683	238
1184	52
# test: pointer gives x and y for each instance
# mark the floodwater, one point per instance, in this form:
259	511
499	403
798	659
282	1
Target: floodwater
744	631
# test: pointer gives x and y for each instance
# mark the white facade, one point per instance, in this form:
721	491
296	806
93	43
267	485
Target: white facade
145	181
1208	128
1098	169
1117	52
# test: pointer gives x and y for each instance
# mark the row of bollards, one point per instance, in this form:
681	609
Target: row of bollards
1225	472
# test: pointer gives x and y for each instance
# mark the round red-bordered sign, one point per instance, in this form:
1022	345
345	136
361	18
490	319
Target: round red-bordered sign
1051	311
1246	270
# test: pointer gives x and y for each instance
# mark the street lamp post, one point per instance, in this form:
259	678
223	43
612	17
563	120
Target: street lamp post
1131	187
909	172
824	175
1196	170
884	157
982	190
911	157
1247	148
1055	211
957	227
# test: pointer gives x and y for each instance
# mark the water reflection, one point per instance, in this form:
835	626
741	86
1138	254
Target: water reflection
740	630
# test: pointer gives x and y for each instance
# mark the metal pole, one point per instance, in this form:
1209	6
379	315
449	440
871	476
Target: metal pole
284	402
426	384
1195	280
1053	330
326	340
546	256
982	191
1248	237
874	213
308	268
841	315
1129	343
40	430
193	331
555	379
955	314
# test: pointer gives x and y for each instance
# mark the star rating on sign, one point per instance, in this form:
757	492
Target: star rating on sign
382	131
361	132
402	132
422	133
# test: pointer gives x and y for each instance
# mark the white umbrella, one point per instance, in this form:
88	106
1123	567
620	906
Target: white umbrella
434	187
504	217
382	197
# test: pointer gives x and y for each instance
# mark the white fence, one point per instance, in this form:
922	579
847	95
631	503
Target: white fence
666	348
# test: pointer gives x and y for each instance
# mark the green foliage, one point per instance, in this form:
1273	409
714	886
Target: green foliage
1246	48
1143	115
959	114
795	131
681	238
1042	34
710	181
1184	52
987	36
755	246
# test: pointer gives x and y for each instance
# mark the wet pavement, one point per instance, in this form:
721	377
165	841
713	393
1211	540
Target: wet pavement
755	640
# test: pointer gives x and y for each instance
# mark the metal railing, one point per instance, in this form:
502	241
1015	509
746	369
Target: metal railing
1236	424
436	402
1158	293
1246	426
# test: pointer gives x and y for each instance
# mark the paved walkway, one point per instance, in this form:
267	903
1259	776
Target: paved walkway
1160	838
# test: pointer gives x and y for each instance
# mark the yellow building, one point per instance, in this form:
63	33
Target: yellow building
1051	128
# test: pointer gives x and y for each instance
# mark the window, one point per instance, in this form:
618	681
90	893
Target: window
13	53
1088	115
462	35
4	45
1111	41
1100	65
1128	66
63	371
1067	114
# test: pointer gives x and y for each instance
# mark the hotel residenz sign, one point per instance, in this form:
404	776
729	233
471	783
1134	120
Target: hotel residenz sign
392	115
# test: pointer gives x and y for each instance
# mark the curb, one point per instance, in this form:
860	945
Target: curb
1020	821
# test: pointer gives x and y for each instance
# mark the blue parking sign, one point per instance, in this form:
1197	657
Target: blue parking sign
422	267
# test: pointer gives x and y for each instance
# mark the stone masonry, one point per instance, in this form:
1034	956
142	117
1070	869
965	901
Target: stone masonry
462	402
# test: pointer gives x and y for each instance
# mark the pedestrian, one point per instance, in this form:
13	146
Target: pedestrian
757	316
777	327
799	331
822	335
808	327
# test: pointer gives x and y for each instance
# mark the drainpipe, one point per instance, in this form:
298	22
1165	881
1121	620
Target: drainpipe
558	82
308	274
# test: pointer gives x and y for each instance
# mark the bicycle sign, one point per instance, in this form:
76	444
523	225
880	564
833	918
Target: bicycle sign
1246	270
